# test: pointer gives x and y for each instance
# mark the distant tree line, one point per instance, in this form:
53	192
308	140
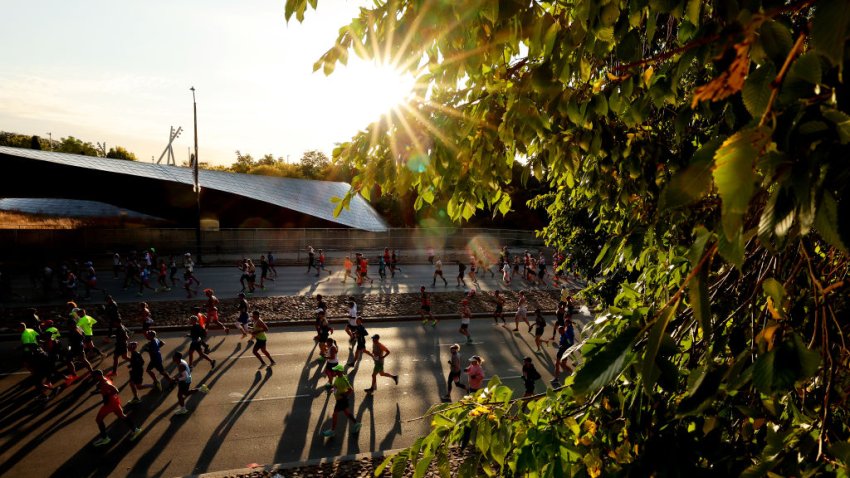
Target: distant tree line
69	144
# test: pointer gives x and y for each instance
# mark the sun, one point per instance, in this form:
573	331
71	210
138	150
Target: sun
375	90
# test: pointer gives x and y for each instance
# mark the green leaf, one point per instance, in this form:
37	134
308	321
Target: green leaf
826	222
776	40
732	250
735	176
399	464
807	68
841	451
443	465
423	464
699	299
692	11
692	183
756	92
649	368
701	394
607	364
774	289
841	121
780	368
829	29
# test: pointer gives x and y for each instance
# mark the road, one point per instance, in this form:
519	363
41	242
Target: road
290	281
251	414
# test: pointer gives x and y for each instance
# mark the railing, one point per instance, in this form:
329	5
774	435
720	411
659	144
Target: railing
287	244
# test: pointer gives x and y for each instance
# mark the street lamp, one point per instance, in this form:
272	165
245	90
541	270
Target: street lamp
195	181
50	135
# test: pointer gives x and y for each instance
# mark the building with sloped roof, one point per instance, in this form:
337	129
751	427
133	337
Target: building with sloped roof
230	199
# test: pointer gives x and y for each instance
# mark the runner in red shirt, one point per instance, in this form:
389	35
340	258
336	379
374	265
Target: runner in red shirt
111	404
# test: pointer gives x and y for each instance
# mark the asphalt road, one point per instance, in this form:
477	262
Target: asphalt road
291	280
251	414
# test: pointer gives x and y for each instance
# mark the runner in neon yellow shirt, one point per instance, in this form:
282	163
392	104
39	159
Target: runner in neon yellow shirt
342	391
85	323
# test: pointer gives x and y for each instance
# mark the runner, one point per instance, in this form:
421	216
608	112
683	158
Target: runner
454	372
163	277
202	321
111	404
323	331
498	313
251	269
515	270
382	268
184	379
562	361
259	334
272	264
144	280
560	317
36	360
137	372
438	271
465	315
113	317
85	323
351	326
346	265
189	268
394	264
172	276
461	271
116	264
311	258
90	279
363	269
379	353
321	263
425	308
154	349
430	254
197	334
529	376
264	272
342	391
475	372
242	320
243	269
122	336
521	312
76	351
540	327
187	285
360	334
212	311
145	317
331	352
472	270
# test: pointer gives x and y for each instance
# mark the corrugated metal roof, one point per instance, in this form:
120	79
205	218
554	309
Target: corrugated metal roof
69	208
306	196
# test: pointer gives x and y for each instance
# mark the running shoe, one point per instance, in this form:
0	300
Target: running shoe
356	427
369	390
102	441
135	434
395	379
434	323
328	433
181	411
134	401
203	388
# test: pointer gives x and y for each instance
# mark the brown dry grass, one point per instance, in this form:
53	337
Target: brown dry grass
19	220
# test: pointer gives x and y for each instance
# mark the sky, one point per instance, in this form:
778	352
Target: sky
119	72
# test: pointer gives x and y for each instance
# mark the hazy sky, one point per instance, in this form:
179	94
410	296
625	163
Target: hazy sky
120	72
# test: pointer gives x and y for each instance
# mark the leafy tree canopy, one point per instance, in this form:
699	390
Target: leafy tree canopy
73	145
707	144
118	152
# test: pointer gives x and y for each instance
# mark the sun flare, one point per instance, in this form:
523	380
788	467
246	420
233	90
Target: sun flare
376	90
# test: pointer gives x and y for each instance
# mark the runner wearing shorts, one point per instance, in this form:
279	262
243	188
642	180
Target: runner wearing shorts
351	326
331	352
184	381
539	328
242	321
212	310
342	391
360	333
425	308
122	336
137	372
379	353
438	271
154	349
197	335
259	332
465	315
521	312
111	404
454	372
499	312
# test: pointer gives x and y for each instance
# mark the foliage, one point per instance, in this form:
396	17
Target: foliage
119	152
73	145
706	144
314	164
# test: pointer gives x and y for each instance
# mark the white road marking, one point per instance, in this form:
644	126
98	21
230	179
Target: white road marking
246	400
12	373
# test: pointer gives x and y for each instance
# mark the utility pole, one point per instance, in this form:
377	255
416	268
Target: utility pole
50	135
196	182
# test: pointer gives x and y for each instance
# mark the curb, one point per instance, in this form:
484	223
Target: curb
294	464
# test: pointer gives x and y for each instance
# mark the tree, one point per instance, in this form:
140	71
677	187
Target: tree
243	163
35	143
706	142
267	160
119	152
314	164
73	145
